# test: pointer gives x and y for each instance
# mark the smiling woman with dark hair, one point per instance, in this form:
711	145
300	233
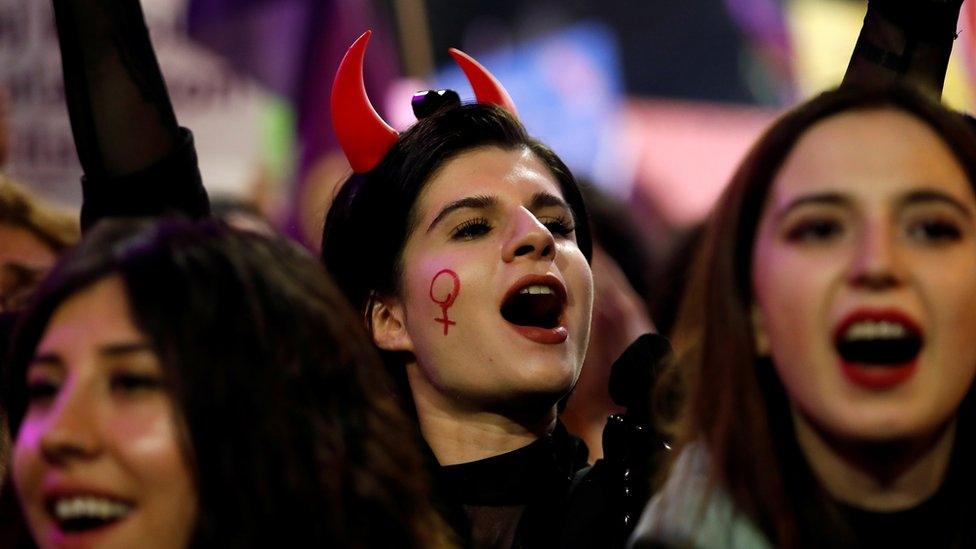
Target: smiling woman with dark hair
181	384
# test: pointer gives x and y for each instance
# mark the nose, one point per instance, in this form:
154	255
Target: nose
69	431
529	238
876	264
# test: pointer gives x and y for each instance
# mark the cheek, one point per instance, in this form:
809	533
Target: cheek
952	296
147	440
781	307
578	276
953	300
792	289
788	275
445	287
793	293
147	444
27	462
439	294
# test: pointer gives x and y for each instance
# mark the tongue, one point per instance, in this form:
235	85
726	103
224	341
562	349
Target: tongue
880	352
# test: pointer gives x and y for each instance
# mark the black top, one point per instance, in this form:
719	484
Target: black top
516	499
171	186
946	519
930	524
137	160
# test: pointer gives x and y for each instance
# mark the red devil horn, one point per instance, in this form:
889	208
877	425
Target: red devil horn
363	135
487	89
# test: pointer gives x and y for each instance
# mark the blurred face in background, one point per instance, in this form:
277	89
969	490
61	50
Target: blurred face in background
864	277
97	460
24	258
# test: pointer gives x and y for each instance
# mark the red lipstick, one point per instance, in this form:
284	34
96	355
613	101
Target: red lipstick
546	336
877	375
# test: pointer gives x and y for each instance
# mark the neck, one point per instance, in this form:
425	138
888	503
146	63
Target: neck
460	433
877	476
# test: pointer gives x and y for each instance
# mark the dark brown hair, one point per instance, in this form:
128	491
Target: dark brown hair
373	214
731	398
290	428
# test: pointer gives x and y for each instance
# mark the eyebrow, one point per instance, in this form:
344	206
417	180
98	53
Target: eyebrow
912	198
927	195
122	349
481	202
826	198
113	350
546	200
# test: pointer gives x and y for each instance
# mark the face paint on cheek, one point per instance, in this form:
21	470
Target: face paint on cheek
444	289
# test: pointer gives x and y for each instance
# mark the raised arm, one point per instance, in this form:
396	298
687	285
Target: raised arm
905	39
137	161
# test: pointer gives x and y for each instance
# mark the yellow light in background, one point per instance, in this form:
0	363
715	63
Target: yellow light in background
824	33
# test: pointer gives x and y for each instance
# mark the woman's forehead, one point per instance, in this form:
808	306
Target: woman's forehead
872	154
515	175
71	325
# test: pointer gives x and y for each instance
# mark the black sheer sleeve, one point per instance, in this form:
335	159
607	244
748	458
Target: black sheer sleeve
905	39
137	161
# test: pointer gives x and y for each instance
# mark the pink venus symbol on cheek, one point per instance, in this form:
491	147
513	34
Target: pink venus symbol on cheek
445	302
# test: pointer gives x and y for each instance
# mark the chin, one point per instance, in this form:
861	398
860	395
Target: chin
879	434
885	426
550	378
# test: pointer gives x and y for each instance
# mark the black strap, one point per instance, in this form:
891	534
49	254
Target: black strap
884	58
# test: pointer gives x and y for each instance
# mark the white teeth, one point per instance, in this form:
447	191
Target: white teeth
870	329
89	507
536	289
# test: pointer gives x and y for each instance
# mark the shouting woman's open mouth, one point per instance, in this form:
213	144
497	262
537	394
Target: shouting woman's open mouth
878	349
534	307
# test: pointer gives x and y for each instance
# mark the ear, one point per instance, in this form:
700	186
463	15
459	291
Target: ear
760	337
389	326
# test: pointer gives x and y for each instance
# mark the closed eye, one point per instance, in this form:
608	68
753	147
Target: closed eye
935	231
131	383
471	229
558	225
814	230
42	391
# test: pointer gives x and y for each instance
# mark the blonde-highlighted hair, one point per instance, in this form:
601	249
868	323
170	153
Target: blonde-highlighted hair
20	208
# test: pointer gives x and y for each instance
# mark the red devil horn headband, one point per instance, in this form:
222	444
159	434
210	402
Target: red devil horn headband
487	88
364	136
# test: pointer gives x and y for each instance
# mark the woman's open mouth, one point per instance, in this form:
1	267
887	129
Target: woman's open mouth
81	514
534	307
878	349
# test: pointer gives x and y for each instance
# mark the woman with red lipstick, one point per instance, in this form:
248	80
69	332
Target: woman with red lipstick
183	384
825	343
464	243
